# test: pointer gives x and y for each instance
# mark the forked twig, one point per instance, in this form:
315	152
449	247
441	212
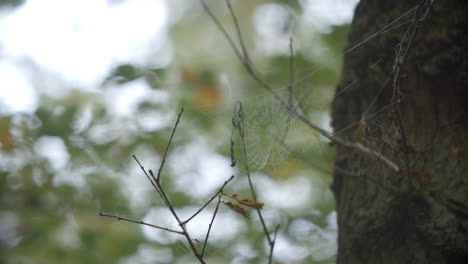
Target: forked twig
220	27
209	201
141	223
169	205
156	183
272	246
239	35
212	221
168	145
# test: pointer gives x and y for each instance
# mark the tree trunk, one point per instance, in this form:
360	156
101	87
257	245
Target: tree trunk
410	87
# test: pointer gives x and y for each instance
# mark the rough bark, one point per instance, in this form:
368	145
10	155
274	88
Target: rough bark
388	217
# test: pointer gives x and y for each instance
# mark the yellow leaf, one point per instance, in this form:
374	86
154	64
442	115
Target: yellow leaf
247	202
237	209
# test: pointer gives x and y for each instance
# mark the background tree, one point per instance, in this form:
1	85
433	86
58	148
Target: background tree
419	73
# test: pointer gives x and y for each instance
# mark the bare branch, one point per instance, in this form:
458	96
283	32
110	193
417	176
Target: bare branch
338	140
212	220
218	24
272	245
152	179
233	160
168	145
141	223
312	163
239	34
155	181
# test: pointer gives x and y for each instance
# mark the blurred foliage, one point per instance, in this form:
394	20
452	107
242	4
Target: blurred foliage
10	3
50	203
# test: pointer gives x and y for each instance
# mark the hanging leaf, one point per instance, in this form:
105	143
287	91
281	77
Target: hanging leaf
236	208
247	202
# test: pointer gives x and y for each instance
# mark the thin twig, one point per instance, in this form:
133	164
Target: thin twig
155	181
291	67
220	27
184	229
239	34
168	202
385	28
342	90
211	223
312	163
399	59
239	122
209	201
233	160
366	117
161	192
141	223
169	144
272	245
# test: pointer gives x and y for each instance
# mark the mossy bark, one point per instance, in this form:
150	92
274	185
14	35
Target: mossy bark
415	78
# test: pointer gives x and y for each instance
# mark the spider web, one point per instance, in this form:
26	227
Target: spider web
270	133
